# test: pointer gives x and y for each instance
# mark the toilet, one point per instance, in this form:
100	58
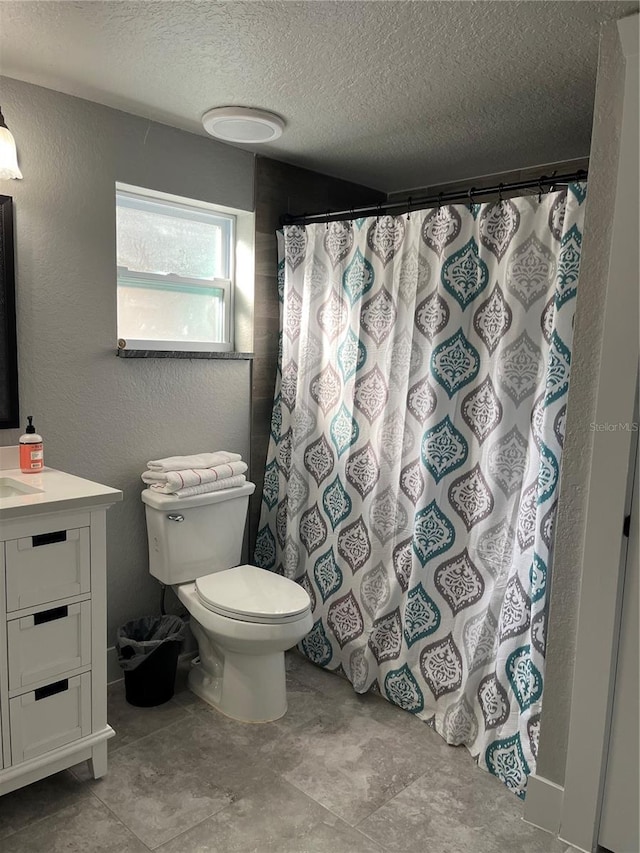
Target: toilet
243	618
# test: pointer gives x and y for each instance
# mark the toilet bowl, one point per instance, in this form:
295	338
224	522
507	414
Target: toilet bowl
241	654
243	618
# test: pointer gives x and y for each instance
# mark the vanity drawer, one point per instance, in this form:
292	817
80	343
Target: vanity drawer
48	643
49	717
47	567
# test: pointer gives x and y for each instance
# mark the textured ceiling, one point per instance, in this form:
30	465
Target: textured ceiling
393	95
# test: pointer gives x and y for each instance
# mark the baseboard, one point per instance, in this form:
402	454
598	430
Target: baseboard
114	673
543	805
573	847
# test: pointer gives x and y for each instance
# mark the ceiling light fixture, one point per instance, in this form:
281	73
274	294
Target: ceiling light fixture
8	155
242	124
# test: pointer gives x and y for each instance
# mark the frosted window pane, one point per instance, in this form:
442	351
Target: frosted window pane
166	244
150	313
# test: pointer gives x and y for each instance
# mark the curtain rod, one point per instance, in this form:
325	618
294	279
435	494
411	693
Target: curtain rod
469	195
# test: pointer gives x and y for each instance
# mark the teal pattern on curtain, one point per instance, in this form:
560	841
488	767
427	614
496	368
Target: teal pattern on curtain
412	474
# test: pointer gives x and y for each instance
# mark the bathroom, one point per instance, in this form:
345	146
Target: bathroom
84	118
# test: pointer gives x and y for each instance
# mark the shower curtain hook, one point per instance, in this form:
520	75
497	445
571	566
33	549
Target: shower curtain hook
378	213
326	224
440	201
552	188
471	202
500	189
409	208
540	188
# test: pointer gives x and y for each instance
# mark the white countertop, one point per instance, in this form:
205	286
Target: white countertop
58	491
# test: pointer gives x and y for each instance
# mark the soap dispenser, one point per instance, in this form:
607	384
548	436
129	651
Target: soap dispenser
31	451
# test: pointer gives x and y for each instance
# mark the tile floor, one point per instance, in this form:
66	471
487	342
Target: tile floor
340	773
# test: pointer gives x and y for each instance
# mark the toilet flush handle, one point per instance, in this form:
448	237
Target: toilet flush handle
175	517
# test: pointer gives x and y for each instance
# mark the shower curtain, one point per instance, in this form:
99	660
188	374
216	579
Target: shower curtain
412	474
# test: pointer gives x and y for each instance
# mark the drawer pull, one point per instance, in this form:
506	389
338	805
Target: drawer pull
49	538
51	689
51	615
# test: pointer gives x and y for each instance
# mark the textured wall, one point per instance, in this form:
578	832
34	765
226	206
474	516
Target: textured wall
103	417
576	464
527	174
280	189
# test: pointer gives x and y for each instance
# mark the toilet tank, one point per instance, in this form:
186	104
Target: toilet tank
192	537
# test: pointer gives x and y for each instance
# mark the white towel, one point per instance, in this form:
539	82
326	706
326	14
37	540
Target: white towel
199	460
173	481
229	483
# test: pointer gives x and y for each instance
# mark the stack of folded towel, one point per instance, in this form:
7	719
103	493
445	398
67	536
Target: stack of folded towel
183	476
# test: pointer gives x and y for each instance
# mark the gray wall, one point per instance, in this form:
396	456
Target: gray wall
103	417
525	174
581	407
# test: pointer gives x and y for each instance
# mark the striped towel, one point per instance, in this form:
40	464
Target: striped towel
171	482
199	460
229	483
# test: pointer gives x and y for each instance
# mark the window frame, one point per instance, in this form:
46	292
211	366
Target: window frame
195	210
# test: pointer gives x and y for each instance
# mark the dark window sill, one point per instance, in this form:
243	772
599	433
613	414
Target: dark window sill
149	353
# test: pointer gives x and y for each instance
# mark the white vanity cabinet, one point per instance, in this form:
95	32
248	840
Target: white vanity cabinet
53	698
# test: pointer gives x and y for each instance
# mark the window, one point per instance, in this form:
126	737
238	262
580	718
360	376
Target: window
175	273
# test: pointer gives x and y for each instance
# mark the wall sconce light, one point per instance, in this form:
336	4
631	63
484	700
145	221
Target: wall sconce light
8	155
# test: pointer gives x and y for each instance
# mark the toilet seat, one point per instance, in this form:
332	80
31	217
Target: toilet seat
250	594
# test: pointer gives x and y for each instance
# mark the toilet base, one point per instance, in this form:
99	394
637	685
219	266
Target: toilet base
251	689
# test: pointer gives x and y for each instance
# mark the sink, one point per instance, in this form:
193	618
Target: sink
10	488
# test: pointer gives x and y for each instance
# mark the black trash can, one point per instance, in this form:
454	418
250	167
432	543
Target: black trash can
148	650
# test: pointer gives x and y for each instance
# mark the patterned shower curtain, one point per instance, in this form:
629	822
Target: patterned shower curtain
414	460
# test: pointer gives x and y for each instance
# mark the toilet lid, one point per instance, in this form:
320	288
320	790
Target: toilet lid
252	594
